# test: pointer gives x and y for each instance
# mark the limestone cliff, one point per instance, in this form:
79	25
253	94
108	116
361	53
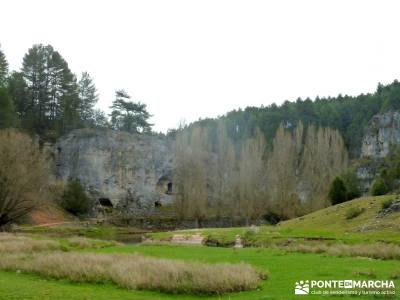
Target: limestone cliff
383	131
132	172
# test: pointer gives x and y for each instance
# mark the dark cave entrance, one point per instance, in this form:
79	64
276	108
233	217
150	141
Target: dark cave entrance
164	185
169	188
105	202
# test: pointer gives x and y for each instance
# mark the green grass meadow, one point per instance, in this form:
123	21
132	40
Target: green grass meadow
284	269
263	251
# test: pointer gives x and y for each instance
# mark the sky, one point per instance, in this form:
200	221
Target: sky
191	59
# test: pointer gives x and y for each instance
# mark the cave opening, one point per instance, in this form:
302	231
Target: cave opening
164	185
105	202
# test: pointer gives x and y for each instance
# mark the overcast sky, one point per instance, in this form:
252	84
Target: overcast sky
191	59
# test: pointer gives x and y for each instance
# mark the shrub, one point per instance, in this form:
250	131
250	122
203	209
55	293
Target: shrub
376	250
12	243
272	218
352	185
379	187
387	203
337	192
139	272
354	212
75	199
395	275
365	273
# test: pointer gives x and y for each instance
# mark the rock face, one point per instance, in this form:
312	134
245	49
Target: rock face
130	172
393	208
383	131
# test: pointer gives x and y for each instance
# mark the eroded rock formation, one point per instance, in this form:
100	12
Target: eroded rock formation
384	130
131	172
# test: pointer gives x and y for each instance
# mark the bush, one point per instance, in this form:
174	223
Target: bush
377	250
272	218
135	271
387	203
74	199
354	212
337	192
352	185
379	187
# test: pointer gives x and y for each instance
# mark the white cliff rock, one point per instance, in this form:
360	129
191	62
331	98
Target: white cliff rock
132	172
383	131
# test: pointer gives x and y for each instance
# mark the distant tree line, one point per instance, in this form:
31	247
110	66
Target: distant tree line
348	114
47	99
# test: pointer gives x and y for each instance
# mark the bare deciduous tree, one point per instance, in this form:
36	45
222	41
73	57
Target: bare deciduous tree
24	176
301	166
225	174
191	176
246	180
252	193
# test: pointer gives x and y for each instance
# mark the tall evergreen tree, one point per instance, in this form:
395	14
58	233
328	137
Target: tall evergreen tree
129	116
3	69
53	99
8	117
17	90
87	97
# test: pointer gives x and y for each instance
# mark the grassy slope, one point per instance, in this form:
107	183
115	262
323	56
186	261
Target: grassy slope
332	222
329	223
285	269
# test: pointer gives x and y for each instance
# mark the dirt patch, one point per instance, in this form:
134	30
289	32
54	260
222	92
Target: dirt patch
195	239
48	215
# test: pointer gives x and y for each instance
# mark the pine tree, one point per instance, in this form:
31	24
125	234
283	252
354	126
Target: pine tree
8	117
129	116
100	119
52	92
3	69
87	97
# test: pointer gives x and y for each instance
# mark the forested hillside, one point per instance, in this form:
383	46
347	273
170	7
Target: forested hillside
350	115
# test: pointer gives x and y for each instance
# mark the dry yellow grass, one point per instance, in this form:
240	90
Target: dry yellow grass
375	250
16	244
138	272
12	243
5	236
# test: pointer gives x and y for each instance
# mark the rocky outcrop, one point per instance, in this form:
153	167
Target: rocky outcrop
130	172
383	131
393	207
